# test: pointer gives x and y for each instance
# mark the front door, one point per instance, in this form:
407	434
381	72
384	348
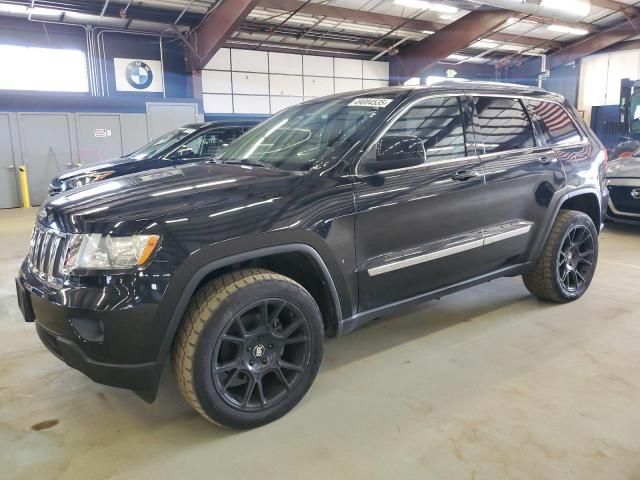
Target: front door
419	228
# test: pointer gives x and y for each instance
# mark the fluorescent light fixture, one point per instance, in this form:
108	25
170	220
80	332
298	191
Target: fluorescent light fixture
489	45
484	44
576	8
566	29
428	32
446	16
424	5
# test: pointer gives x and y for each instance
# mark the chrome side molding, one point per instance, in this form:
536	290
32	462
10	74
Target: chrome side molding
491	235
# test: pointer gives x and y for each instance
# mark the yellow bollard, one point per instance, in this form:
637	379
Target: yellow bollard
24	186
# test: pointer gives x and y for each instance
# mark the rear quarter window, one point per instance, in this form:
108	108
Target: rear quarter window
503	125
556	125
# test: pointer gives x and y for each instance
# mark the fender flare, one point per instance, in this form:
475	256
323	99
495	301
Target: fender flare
561	201
198	274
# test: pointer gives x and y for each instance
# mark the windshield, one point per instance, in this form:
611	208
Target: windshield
307	135
159	144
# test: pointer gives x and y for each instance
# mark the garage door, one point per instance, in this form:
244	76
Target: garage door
46	147
8	185
163	117
99	137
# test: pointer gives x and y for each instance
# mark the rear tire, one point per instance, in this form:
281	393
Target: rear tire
625	149
248	349
568	262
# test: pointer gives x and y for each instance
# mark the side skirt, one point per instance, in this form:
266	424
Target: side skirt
350	324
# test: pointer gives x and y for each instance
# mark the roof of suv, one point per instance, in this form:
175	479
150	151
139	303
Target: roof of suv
223	123
464	85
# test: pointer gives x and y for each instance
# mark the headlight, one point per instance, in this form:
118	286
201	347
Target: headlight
82	180
103	252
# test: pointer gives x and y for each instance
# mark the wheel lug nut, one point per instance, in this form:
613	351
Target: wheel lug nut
270	346
250	362
248	349
264	361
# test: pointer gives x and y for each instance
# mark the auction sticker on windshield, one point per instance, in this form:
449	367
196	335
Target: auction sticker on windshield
371	102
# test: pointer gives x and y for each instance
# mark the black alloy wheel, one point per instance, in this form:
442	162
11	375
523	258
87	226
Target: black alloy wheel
249	347
576	258
564	270
261	355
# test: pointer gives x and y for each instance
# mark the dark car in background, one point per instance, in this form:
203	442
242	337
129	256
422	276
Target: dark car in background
191	143
623	182
330	214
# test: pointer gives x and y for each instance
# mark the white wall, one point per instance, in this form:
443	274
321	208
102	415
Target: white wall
250	81
600	77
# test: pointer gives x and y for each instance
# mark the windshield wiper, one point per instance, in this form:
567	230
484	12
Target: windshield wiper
249	163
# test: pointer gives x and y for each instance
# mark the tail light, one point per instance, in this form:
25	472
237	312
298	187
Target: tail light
603	156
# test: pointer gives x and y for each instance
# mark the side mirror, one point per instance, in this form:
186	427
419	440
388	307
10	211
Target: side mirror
183	153
398	151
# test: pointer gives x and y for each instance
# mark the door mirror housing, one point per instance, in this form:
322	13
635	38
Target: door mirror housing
398	151
183	153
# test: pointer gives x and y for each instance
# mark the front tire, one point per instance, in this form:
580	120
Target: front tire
248	349
568	262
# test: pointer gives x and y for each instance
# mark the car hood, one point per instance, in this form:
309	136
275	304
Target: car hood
628	167
134	200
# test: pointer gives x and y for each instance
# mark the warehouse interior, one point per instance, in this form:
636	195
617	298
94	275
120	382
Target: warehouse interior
486	383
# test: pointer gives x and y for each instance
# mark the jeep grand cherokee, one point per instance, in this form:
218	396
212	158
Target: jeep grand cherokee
331	213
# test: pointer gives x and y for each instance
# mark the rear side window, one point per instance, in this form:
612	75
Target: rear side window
555	123
437	122
503	125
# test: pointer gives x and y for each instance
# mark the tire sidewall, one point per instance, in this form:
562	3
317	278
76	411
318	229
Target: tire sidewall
579	219
210	400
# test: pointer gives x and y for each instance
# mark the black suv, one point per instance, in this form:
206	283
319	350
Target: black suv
191	143
330	214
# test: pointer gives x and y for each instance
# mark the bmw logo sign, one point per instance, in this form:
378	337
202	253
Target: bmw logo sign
139	75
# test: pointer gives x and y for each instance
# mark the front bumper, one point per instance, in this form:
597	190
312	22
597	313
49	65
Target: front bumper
624	200
114	347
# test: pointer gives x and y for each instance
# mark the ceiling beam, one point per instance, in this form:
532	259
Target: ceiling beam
581	48
214	30
332	11
410	61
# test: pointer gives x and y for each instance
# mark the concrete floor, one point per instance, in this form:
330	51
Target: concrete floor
485	384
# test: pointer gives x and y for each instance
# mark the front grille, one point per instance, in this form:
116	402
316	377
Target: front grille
46	254
623	198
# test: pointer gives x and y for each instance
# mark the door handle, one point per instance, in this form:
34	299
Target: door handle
464	175
548	159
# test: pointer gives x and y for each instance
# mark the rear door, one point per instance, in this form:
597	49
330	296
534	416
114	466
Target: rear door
419	228
522	176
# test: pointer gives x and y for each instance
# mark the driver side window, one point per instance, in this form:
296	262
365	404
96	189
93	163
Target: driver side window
430	131
208	144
